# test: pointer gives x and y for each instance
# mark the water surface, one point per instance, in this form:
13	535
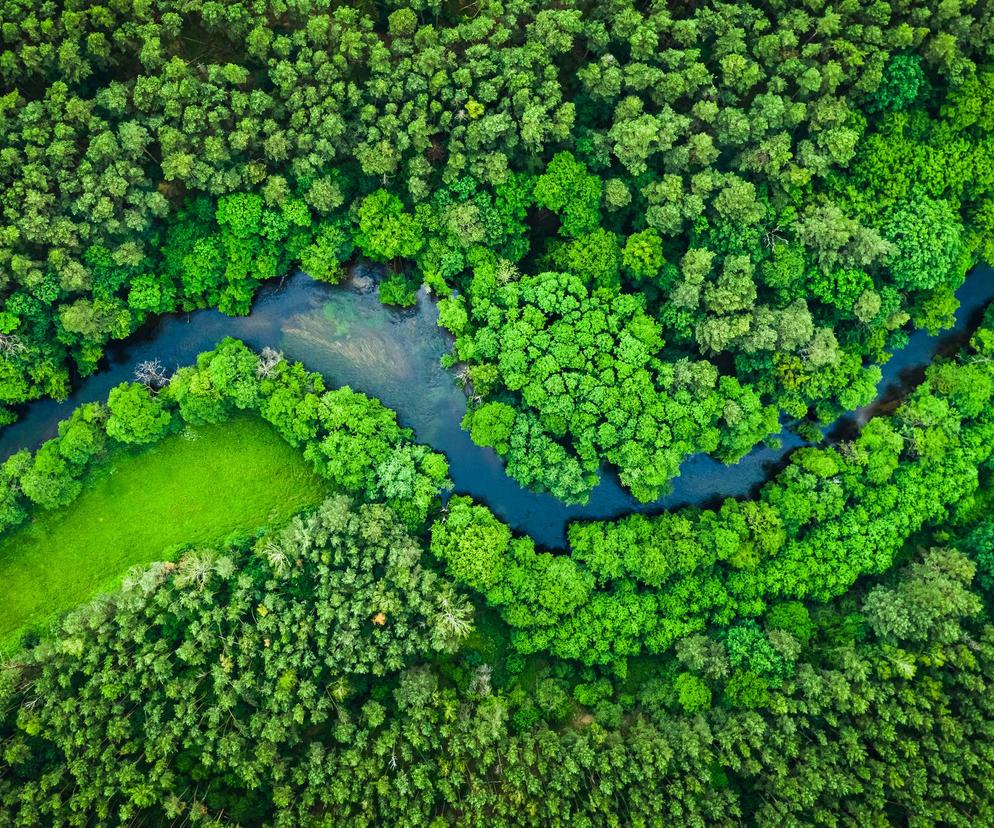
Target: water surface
350	338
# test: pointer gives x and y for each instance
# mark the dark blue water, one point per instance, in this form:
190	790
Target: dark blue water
350	338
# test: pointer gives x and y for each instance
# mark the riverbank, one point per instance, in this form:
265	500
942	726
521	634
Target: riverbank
136	505
350	338
182	488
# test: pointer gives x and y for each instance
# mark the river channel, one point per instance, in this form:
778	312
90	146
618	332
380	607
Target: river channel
349	337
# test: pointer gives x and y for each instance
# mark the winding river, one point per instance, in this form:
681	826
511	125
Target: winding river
350	338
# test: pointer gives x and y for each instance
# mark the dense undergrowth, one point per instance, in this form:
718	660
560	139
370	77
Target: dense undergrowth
654	229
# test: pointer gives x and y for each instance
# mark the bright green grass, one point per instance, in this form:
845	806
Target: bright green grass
237	476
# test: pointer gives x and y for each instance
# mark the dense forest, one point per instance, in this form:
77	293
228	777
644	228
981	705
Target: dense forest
773	192
653	230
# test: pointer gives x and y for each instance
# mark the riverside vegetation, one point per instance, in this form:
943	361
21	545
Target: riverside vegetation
653	230
683	664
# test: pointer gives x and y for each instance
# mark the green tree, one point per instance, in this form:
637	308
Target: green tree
928	243
569	190
472	543
385	231
136	416
693	695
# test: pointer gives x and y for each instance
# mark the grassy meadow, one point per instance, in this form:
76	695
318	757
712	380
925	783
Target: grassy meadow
138	506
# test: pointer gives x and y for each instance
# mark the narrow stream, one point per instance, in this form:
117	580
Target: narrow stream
350	338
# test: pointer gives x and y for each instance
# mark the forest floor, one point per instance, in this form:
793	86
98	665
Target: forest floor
137	507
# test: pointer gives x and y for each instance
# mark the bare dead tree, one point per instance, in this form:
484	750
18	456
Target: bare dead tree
151	374
11	344
507	271
480	685
773	237
269	358
277	557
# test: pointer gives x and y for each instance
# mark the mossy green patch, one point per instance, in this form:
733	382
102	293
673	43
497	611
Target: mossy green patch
197	487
